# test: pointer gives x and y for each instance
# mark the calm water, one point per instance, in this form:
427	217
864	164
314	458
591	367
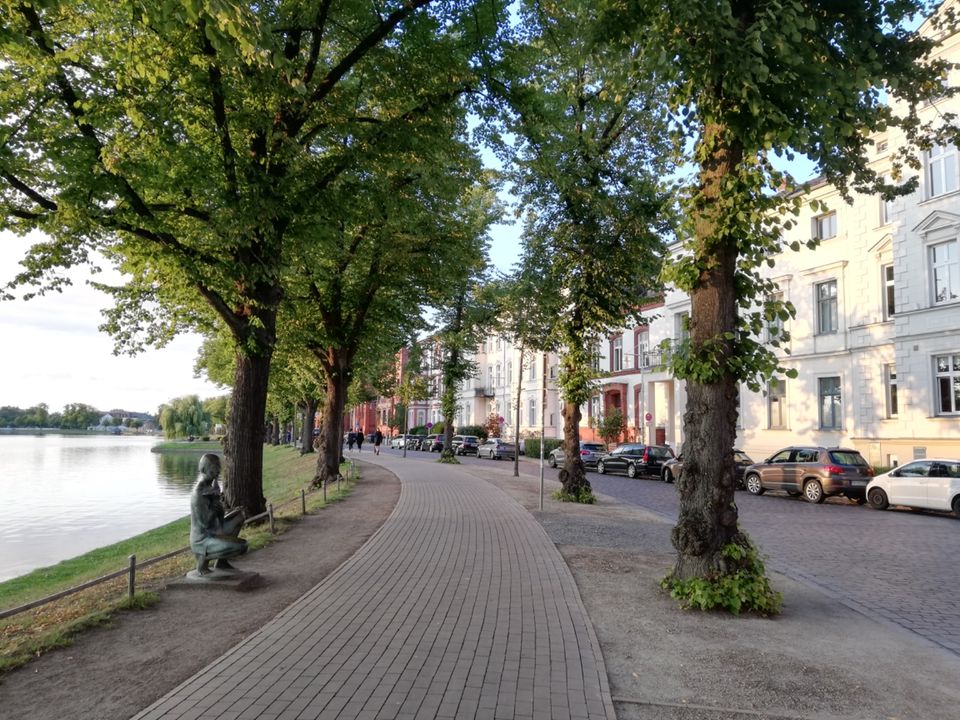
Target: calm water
62	495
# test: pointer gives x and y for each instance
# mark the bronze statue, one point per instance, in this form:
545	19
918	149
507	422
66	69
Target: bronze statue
214	533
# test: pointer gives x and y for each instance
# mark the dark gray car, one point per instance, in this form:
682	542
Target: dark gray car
635	459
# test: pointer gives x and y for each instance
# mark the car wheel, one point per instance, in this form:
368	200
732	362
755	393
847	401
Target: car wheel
601	468
631	470
878	499
552	462
754	486
956	506
813	492
668	475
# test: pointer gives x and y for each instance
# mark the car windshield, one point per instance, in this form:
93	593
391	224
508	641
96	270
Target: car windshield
847	457
593	447
661	452
742	458
470	438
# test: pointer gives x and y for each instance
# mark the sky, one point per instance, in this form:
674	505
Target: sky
52	352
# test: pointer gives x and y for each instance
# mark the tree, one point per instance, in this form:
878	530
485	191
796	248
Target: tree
612	426
750	80
187	142
184	417
78	416
589	146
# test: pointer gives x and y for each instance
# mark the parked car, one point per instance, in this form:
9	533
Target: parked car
465	444
932	484
497	449
589	452
417	442
635	459
431	443
814	472
398	441
673	468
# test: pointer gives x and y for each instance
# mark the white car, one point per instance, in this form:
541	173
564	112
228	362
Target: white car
932	484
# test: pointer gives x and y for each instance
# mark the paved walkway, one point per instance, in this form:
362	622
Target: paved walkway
459	607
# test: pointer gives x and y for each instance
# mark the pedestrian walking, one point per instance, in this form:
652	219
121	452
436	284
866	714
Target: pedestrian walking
351	439
359	439
377	441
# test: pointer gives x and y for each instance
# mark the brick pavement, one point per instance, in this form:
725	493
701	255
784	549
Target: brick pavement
458	607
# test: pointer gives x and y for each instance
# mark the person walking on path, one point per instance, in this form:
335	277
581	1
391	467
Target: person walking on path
377	441
359	438
351	439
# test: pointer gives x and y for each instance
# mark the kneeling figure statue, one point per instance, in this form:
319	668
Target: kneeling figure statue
214	534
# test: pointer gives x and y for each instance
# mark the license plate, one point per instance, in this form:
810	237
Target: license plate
859	482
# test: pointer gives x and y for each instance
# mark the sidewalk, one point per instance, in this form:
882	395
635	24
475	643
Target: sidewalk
459	607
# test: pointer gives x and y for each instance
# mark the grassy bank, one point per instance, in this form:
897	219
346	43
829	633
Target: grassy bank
285	473
187	446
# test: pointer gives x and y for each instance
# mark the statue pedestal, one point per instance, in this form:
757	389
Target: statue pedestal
219	578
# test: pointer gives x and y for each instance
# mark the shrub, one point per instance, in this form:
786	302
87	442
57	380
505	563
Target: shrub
584	495
745	589
531	446
418	430
477	430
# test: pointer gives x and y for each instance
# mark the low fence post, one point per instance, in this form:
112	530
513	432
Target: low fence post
273	529
324	485
132	577
303	500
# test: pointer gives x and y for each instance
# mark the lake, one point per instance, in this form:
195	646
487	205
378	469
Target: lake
63	495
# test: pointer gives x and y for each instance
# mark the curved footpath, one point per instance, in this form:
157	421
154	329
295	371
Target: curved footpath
460	606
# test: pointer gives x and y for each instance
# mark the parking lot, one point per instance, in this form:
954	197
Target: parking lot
900	566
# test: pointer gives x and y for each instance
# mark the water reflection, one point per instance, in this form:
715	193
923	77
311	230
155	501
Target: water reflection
64	495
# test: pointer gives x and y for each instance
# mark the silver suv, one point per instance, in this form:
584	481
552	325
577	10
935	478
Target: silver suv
589	452
814	472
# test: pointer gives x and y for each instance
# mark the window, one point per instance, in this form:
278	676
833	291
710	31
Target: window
945	271
889	299
825	226
681	326
595	407
941	170
510	373
421	417
777	404
830	410
826	307
643	349
532	370
499	375
490	376
553	372
595	362
775	324
948	384
890	381
882	146
886	206
532	412
616	362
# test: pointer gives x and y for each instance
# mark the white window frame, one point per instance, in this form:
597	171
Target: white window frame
889	298
532	370
532	412
828	315
942	175
616	362
944	271
830	416
890	390
776	324
946	372
886	206
681	326
825	225
777	404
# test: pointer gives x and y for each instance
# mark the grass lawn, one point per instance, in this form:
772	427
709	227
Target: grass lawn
285	473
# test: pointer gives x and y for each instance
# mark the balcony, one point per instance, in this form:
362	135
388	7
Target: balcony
484	392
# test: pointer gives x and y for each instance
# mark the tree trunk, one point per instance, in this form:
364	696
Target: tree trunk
275	431
573	475
330	441
708	512
243	451
309	415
